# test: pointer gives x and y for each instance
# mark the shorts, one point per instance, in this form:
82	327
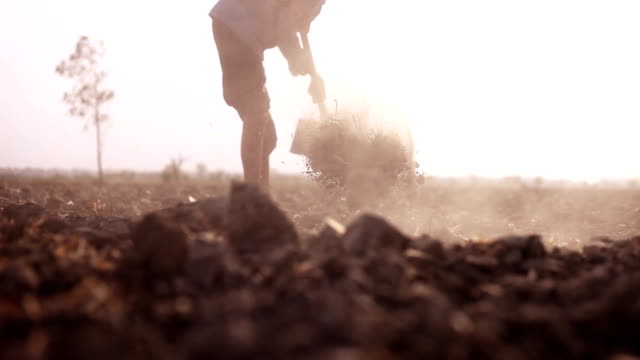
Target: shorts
243	75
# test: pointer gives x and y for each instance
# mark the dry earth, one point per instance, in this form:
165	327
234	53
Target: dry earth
201	270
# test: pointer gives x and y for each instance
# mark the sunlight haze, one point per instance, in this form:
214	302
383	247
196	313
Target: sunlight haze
491	88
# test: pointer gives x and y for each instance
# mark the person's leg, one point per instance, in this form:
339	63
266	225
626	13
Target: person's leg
269	144
251	152
252	148
258	141
244	89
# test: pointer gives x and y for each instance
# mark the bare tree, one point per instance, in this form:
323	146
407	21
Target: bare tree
88	95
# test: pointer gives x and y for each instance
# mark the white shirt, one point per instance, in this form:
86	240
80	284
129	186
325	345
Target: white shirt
260	23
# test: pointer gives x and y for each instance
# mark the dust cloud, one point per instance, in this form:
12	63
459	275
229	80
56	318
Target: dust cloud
463	210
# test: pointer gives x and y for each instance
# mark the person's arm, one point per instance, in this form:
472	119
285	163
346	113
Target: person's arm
288	41
306	12
294	18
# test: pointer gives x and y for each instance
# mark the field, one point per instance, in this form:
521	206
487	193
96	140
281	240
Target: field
203	269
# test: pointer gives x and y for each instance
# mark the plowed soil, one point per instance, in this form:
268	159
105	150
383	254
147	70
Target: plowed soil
210	270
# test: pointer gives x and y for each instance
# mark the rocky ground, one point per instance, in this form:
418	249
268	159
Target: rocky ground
205	270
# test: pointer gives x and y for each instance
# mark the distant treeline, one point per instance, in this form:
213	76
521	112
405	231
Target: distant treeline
204	175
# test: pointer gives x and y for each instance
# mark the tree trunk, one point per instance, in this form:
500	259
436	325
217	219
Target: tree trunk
99	146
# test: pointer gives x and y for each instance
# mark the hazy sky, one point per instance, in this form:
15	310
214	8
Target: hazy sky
493	88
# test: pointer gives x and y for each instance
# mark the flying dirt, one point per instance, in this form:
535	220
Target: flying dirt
351	150
346	149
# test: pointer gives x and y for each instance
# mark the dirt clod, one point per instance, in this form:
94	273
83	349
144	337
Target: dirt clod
371	233
22	213
160	245
255	223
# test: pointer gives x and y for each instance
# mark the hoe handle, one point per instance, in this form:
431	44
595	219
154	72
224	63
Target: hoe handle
316	88
305	45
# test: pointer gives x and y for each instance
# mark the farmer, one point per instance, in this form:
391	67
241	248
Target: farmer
243	30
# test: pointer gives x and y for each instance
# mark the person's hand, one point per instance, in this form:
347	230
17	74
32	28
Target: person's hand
300	63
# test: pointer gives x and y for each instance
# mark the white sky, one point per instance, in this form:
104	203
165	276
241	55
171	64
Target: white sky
493	88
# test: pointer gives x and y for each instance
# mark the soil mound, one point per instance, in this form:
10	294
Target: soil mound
229	278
